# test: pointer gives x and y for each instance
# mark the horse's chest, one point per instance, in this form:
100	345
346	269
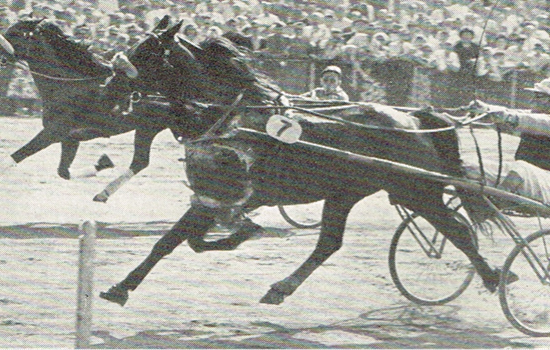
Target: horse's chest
219	173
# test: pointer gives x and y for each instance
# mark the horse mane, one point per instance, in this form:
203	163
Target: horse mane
73	54
227	64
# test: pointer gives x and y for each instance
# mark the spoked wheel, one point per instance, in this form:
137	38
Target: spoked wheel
303	215
426	267
526	302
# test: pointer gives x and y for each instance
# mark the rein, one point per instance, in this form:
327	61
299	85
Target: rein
343	121
26	67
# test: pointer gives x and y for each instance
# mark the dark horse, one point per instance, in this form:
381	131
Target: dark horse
237	170
77	105
68	79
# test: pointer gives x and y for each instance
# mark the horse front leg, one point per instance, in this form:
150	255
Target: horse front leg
335	213
68	154
143	139
196	222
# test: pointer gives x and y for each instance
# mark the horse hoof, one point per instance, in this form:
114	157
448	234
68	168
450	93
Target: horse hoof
115	294
64	173
101	197
492	281
104	162
510	278
273	297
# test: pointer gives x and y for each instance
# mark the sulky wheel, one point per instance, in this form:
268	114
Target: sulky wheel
426	267
524	289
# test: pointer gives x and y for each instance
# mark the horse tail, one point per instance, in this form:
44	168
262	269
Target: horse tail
446	144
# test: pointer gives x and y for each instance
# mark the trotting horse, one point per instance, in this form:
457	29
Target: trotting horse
237	171
77	107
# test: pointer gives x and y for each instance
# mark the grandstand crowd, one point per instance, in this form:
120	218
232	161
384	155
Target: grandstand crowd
436	45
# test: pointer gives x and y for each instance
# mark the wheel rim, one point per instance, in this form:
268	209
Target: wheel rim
424	278
526	302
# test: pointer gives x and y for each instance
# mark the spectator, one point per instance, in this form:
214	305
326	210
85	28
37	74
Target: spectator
363	84
361	33
253	32
190	32
467	51
515	51
446	59
379	44
299	45
443	89
330	86
277	43
538	60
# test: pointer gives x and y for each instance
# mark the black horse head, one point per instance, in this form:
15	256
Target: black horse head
213	72
18	42
50	52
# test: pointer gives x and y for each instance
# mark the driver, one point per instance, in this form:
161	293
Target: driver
330	89
529	173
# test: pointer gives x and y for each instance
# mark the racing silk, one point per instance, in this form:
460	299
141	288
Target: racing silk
534	146
534	149
322	94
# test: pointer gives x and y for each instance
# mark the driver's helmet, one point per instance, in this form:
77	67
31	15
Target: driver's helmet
334	69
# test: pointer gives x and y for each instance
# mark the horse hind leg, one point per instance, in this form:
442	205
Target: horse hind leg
457	232
42	140
335	213
197	221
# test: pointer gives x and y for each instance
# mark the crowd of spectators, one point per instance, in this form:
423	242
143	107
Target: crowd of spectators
428	37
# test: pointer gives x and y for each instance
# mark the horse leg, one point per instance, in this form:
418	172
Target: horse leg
246	230
41	141
335	213
68	153
196	222
442	219
143	140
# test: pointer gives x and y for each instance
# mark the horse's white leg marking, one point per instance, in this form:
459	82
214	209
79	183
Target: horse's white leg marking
114	186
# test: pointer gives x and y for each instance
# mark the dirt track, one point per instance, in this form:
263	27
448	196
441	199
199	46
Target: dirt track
210	300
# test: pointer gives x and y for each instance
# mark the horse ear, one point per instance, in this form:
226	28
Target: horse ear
170	33
163	24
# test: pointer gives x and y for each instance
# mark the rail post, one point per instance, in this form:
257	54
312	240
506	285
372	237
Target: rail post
85	284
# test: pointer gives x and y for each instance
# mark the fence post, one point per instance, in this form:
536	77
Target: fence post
311	75
514	89
85	284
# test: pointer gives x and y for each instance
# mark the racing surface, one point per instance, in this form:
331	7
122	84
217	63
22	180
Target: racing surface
210	300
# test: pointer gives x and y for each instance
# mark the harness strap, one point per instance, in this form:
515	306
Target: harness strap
210	133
